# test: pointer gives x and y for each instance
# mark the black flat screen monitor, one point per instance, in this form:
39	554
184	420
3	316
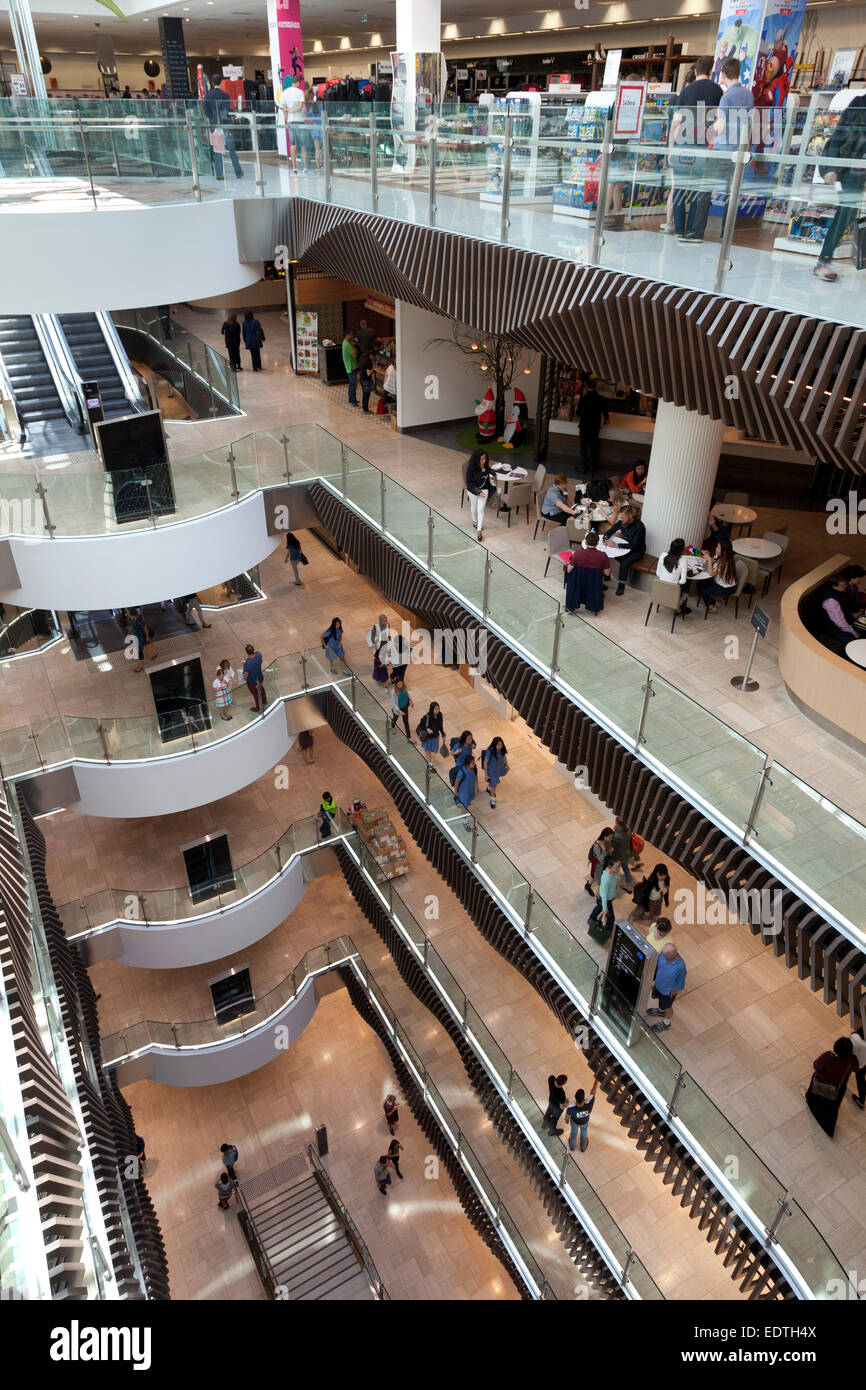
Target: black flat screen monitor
208	866
180	698
135	456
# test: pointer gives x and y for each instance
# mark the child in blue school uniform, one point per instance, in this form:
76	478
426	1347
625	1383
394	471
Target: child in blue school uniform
494	760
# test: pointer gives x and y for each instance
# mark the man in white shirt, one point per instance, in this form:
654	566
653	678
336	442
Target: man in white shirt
292	107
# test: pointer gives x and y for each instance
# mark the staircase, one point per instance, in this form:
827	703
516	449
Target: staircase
94	361
29	376
302	1238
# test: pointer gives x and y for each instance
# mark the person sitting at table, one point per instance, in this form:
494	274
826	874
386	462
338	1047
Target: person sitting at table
673	568
721	563
586	570
835	630
717	530
631	528
855	598
556	506
634	481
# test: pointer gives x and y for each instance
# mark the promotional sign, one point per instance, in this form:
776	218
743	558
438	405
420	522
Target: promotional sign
841	68
611	67
18	83
234	72
739	32
630	100
780	34
461	74
307	343
199	81
284	34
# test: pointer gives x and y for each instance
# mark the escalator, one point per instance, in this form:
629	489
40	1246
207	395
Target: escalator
32	381
94	360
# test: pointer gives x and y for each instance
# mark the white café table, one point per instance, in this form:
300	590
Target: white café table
736	515
756	548
856	650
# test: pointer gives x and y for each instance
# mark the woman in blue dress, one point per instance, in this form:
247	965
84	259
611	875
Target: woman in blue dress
494	760
431	729
332	640
460	749
464	785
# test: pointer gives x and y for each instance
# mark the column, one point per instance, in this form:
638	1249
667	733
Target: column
419	32
682	471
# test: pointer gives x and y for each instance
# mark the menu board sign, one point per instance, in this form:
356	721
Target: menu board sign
307	343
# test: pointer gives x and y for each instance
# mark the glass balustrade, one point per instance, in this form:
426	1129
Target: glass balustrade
537	178
177	342
128	907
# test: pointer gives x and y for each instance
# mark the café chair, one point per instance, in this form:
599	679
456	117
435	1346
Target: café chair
576	531
557	540
664	595
751	584
539	482
519	495
737	499
540	520
768	568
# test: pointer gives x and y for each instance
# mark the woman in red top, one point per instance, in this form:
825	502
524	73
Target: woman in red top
635	481
829	1083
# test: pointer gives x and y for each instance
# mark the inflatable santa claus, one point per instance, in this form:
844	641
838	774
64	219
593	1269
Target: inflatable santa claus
486	412
518	416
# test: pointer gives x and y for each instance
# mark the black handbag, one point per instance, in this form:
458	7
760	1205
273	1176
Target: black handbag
303	559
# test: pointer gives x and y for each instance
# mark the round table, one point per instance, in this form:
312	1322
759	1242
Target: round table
856	650
736	515
756	548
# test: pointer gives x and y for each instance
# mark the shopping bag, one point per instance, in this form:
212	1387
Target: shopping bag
217	140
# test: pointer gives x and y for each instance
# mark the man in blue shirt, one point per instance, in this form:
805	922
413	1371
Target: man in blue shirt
670	978
735	110
217	105
252	674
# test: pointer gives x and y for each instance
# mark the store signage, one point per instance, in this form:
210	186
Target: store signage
611	67
760	620
307	343
174	57
18	83
630	100
480	75
462	74
284	33
234	72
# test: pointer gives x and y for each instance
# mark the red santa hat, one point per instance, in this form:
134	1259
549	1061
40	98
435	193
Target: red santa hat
519	398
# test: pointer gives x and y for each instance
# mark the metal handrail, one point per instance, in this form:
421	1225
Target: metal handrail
353	1234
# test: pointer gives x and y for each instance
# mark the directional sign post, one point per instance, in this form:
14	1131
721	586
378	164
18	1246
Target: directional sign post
761	623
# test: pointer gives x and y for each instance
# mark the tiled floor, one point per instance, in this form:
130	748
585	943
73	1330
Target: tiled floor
746	1028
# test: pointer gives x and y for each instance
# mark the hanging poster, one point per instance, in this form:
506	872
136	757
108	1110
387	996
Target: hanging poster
738	37
780	34
307	343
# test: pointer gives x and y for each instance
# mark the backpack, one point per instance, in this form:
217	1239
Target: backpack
421	728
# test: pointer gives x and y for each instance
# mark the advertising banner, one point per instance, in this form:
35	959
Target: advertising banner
284	34
739	34
307	343
780	34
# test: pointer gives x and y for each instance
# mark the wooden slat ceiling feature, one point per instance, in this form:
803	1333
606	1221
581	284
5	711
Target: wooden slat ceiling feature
675	343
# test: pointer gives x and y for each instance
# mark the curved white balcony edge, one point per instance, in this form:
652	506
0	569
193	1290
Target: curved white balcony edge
121	258
128	569
197	940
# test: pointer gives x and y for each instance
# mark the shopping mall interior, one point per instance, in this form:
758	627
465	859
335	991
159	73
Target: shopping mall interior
487	921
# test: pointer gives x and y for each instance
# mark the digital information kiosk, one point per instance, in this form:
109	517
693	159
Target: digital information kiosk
631	967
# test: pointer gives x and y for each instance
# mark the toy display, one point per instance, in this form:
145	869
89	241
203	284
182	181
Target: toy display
485	411
515	427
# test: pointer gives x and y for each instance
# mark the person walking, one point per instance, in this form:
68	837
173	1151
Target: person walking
292	108
217	105
381	1174
327	815
670	979
222	684
394	1149
231	331
465	784
847	141
400	706
494	761
143	636
629	525
624	843
254	338
591	411
226	1187
294	555
829	1083
651	895
608	887
306	745
140	1150
392	1115
192	611
230	1158
332	641
859	1047
350	364
254	677
399	654
480	487
578	1116
556	1099
431	729
598	851
366	378
460	749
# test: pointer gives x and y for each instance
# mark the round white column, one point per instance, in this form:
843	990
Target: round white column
682	471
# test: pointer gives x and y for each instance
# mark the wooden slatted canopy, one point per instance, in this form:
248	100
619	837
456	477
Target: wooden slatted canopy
786	378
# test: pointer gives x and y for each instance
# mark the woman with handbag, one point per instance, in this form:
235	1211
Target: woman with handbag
294	555
829	1083
430	729
651	894
225	678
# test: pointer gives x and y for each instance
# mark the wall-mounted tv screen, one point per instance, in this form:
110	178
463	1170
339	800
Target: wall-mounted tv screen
135	456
